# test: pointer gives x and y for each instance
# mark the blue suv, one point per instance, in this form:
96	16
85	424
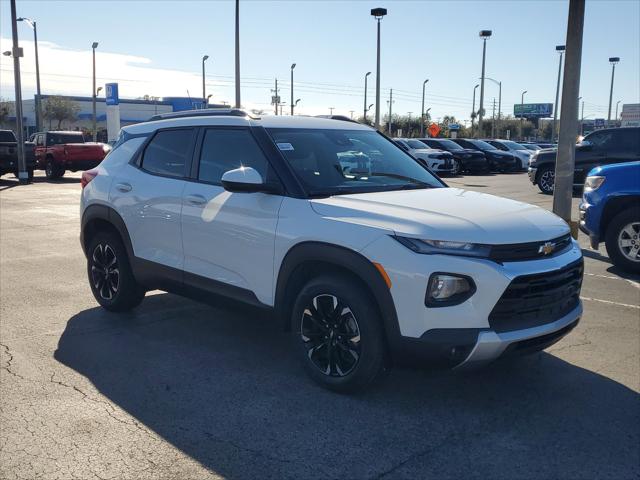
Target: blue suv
610	212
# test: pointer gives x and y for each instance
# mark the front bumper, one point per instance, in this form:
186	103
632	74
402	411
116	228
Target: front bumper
585	224
532	174
491	345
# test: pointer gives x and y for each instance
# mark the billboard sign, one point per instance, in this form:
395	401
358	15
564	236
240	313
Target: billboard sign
111	94
533	110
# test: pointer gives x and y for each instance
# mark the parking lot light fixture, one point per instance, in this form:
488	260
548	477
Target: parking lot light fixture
560	49
293	65
33	25
98	91
364	115
484	35
204	91
613	61
424	84
617	103
473	112
378	13
499	103
94	45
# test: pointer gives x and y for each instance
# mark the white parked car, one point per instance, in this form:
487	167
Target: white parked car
362	254
520	151
440	161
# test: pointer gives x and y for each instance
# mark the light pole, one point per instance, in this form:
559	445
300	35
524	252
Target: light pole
32	24
473	112
378	13
237	53
364	115
424	84
331	110
522	113
613	61
94	45
617	103
293	65
204	89
484	34
16	53
390	102
560	49
499	102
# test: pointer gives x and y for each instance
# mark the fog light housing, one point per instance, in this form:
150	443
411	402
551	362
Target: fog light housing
448	289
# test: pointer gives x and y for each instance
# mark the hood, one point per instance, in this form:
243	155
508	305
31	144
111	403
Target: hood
468	151
445	214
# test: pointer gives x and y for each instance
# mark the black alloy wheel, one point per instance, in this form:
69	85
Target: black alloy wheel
105	271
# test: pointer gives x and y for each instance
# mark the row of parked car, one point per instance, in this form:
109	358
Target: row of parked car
460	155
53	152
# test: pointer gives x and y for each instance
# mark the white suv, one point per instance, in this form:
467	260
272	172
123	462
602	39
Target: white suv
440	161
363	254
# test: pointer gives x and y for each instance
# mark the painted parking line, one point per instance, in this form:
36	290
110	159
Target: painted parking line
611	277
609	302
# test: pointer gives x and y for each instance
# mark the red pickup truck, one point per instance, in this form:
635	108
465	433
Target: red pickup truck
57	152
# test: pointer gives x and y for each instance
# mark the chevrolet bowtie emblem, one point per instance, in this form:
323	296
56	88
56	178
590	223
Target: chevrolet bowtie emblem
547	248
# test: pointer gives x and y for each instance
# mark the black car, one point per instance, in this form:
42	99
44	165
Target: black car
602	147
9	154
498	160
469	160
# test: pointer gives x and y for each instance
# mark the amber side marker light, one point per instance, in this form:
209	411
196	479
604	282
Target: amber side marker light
384	274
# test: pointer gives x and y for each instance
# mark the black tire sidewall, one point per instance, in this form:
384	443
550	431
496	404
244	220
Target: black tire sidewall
373	352
542	171
611	239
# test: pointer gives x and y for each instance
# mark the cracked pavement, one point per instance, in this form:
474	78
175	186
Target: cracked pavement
178	389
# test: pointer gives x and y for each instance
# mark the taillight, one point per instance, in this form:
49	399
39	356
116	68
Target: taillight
88	176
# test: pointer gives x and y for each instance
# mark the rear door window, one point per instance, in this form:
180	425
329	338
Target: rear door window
169	152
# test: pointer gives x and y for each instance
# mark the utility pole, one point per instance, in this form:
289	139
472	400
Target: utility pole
493	121
32	24
364	115
378	13
613	61
237	53
484	34
559	48
499	103
565	161
16	53
293	65
275	98
422	109
390	104
94	45
473	113
522	115
204	89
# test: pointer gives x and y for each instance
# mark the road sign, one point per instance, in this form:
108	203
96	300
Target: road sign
454	126
533	110
433	130
111	94
275	99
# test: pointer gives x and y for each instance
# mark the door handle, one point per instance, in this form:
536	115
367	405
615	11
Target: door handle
123	187
196	199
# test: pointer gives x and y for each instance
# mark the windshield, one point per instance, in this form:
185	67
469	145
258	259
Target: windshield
333	162
447	144
416	144
482	145
7	136
62	138
513	145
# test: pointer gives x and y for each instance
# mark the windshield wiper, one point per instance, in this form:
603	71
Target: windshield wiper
414	181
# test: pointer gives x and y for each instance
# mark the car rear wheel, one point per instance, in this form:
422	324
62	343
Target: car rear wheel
338	334
546	180
53	170
110	277
623	240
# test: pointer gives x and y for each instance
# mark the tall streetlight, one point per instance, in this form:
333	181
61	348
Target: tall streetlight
16	53
364	115
204	89
473	112
499	102
293	65
484	34
424	84
522	113
32	24
378	13
617	103
237	53
94	45
613	61
560	49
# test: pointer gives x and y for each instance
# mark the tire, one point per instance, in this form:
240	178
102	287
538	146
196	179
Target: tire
546	180
110	277
346	356
53	170
622	239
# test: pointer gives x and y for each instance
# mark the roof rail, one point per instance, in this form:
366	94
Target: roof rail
203	112
337	117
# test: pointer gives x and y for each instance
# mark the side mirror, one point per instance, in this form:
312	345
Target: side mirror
244	179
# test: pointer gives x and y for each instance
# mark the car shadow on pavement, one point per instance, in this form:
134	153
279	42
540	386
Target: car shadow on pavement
221	384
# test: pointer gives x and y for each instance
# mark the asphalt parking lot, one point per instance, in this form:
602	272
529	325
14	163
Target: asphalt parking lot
182	390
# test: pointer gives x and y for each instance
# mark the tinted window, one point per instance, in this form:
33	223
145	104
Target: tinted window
416	144
333	162
499	145
168	153
228	149
444	144
7	136
63	138
626	140
599	139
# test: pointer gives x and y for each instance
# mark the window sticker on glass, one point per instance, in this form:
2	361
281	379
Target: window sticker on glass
285	147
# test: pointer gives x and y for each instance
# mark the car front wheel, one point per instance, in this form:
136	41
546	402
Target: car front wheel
338	334
623	240
546	180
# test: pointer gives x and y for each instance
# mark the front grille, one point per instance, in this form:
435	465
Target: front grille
518	252
538	299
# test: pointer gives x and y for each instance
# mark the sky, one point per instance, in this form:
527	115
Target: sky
155	47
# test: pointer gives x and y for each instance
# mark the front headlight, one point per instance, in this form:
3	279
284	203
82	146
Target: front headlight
106	148
443	247
534	158
593	183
